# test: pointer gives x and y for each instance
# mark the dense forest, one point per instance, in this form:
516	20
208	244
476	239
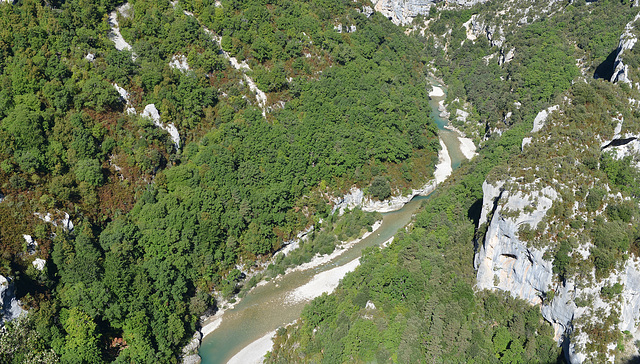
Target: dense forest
159	229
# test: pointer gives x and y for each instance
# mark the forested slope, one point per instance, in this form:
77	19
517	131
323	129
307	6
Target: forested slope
157	228
419	300
414	301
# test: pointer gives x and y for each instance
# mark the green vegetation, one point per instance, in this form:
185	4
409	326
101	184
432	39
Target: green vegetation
418	284
422	289
158	229
569	154
323	239
544	63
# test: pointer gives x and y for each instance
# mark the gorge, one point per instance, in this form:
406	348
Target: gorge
243	333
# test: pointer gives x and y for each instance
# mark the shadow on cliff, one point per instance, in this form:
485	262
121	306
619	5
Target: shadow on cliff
605	69
474	211
633	360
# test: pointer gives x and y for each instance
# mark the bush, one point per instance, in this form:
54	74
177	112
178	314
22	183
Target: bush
89	170
594	199
380	188
561	259
609	292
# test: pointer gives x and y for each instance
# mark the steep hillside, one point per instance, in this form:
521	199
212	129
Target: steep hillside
150	149
556	221
152	153
561	223
505	61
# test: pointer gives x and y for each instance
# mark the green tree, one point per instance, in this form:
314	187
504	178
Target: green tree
380	188
81	342
90	171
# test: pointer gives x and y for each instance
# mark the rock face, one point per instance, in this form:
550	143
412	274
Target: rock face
9	306
356	198
402	12
538	123
627	40
505	262
64	221
190	352
152	113
493	32
39	264
179	62
115	35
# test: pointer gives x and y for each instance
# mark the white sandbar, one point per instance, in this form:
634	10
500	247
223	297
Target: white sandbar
436	92
254	353
325	282
443	168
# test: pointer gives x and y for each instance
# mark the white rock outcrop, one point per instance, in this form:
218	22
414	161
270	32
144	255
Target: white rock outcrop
261	97
32	244
356	198
9	306
506	57
627	40
39	264
179	62
461	115
64	221
542	116
402	12
190	351
494	33
124	95
115	35
538	123
506	263
152	113
468	30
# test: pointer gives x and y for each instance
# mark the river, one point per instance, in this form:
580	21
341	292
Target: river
271	305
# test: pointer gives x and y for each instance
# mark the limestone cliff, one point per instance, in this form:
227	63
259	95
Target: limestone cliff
9	306
503	261
574	306
402	12
627	40
526	217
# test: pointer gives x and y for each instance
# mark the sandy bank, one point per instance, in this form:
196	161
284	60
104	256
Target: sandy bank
212	324
436	92
443	168
325	282
467	147
254	352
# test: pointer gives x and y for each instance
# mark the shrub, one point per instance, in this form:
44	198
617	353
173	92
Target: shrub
594	198
380	188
